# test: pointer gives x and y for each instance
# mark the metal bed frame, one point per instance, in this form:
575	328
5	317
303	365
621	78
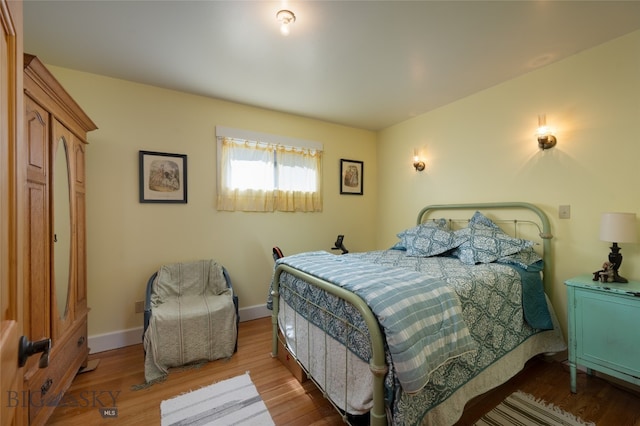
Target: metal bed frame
377	363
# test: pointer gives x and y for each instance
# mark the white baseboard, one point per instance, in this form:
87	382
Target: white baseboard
115	340
133	336
254	312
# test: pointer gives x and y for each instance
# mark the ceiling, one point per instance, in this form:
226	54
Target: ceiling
365	64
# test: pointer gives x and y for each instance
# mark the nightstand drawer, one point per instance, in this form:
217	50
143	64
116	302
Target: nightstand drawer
608	330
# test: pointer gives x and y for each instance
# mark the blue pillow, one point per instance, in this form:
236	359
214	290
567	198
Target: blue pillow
523	259
398	246
438	223
485	244
430	239
480	219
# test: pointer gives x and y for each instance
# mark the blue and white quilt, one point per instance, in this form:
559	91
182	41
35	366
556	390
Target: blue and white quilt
421	316
491	297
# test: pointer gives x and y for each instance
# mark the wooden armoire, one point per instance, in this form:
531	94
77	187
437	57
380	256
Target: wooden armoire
55	284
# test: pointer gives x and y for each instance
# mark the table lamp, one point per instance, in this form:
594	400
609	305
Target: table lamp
618	228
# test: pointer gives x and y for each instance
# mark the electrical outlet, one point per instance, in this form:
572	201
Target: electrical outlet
139	307
564	212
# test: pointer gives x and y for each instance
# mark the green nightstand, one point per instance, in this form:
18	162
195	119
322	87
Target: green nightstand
604	328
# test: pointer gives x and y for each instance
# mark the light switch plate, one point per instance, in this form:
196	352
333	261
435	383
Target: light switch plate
564	212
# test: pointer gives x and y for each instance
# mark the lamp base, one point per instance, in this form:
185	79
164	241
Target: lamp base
615	258
618	279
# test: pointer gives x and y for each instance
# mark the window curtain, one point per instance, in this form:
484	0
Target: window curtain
246	176
257	176
299	175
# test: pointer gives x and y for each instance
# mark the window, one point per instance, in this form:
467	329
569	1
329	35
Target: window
264	176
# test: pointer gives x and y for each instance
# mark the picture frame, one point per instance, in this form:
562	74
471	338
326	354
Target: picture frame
163	177
351	177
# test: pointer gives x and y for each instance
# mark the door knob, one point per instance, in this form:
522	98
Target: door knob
26	348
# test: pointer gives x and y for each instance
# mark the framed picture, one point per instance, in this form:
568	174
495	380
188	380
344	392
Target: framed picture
163	177
351	177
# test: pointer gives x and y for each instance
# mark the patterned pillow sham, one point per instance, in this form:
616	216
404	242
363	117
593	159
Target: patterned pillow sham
436	223
523	258
485	244
430	239
480	219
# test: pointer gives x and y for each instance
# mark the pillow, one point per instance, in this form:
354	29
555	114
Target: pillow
523	258
480	219
398	246
485	244
430	239
437	223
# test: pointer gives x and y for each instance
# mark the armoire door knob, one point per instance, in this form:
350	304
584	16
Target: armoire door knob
26	348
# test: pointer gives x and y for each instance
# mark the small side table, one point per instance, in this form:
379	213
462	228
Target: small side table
604	328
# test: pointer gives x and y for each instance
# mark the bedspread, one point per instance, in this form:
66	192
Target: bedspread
421	316
491	296
455	273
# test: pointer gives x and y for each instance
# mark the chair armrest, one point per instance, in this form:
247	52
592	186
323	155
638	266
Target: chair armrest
227	278
147	302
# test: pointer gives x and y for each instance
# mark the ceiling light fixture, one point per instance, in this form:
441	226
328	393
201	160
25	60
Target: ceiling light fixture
285	17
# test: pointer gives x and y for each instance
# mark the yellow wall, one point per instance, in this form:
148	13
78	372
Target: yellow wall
482	149
128	241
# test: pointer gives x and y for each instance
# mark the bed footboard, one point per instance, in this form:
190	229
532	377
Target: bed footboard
377	363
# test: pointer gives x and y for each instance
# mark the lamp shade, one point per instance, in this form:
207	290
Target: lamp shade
618	228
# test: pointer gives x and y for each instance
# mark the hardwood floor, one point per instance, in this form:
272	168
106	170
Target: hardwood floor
291	403
598	400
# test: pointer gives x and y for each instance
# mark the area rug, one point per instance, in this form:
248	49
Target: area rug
230	402
523	409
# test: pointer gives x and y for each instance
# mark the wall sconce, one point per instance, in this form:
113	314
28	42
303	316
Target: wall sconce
419	165
285	17
546	139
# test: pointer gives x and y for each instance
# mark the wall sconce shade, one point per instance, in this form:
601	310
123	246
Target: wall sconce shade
286	18
618	228
545	136
417	163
